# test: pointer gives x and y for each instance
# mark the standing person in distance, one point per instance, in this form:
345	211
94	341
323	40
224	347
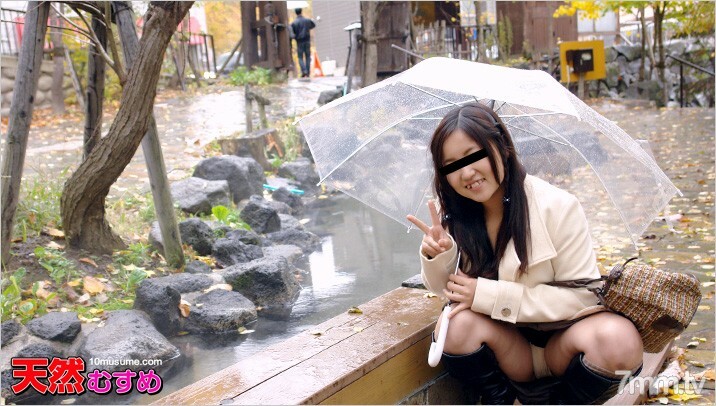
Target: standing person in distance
301	28
515	234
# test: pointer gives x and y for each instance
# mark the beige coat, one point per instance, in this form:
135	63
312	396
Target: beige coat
560	249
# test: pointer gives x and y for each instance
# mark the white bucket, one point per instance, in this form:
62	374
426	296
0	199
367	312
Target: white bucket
329	68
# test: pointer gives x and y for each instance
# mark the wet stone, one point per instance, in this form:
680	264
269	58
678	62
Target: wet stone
56	326
220	311
292	253
228	252
260	215
161	303
197	267
415	281
197	234
185	282
289	222
306	240
245	176
280	207
302	171
294	201
268	282
248	237
197	196
10	330
328	96
39	350
126	335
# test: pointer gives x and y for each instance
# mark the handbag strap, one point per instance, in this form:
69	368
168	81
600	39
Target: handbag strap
600	292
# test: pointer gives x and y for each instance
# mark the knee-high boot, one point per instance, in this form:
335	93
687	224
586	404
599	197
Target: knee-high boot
481	376
582	385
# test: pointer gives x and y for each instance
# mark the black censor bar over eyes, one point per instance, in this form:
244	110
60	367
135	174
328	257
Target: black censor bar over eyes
463	162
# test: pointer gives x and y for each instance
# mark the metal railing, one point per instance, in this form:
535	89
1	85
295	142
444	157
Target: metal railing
460	42
683	62
10	31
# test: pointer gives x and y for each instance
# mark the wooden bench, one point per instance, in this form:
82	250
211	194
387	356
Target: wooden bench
377	357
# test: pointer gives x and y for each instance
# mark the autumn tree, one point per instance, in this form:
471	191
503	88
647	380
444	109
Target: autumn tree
222	20
696	17
83	198
370	10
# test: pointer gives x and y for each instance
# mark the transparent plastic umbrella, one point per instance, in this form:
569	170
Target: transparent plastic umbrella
373	143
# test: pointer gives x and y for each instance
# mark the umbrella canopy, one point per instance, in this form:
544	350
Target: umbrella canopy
373	143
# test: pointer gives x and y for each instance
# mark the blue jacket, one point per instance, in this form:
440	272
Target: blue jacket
302	27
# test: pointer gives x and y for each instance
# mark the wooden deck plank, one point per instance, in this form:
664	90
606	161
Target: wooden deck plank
391	382
406	306
395	325
652	366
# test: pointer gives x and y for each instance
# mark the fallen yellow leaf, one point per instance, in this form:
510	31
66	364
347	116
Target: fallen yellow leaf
243	330
704	307
184	308
91	285
55	246
89	261
355	310
224	286
709	375
684	397
96	311
53	232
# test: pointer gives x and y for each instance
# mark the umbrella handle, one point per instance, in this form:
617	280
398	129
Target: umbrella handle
436	348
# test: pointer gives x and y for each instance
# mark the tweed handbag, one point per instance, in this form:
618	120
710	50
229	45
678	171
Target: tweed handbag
661	304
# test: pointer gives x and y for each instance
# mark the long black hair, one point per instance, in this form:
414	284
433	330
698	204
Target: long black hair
465	218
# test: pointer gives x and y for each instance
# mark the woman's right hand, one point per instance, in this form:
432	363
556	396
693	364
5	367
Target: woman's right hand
436	239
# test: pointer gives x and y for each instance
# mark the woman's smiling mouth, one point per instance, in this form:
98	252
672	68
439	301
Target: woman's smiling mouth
475	184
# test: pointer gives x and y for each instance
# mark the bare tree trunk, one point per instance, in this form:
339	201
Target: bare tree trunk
642	73
58	73
21	107
370	41
94	97
659	12
152	149
84	194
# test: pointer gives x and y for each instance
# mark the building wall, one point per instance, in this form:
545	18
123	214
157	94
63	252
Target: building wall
329	38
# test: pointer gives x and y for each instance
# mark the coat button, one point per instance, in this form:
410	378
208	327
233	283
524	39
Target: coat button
506	312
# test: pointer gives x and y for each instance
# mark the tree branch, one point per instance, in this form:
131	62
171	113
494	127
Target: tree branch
112	43
96	41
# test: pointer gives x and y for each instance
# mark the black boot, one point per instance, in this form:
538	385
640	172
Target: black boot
583	386
481	376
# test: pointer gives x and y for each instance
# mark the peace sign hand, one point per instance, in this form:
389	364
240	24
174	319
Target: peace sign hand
436	239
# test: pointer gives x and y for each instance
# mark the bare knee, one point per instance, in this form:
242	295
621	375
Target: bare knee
616	344
466	333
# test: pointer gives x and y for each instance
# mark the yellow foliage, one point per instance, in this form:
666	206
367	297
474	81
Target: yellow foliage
223	21
590	10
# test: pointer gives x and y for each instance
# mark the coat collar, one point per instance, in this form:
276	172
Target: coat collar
541	247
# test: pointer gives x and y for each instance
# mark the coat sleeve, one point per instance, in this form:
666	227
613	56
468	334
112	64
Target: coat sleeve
435	271
515	302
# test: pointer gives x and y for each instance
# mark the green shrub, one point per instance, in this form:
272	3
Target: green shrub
256	76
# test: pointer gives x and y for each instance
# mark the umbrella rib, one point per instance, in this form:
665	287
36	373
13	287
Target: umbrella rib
540	136
431	94
368	141
624	220
422	199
